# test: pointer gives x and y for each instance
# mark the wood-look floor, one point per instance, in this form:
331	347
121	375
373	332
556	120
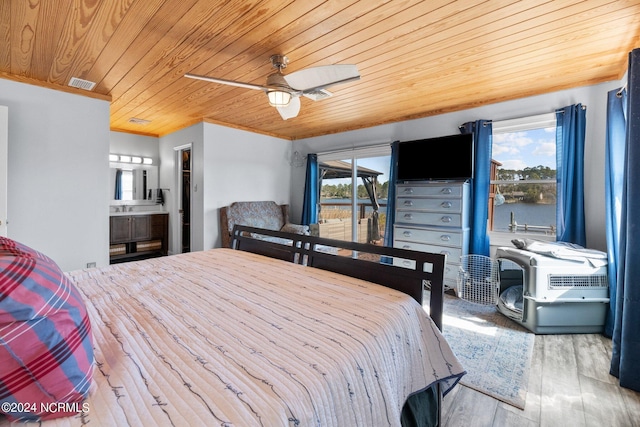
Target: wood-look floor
569	386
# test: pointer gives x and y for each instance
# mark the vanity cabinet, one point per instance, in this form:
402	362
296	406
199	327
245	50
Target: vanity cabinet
130	227
434	217
138	236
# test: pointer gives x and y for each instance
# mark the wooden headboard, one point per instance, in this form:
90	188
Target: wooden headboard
401	269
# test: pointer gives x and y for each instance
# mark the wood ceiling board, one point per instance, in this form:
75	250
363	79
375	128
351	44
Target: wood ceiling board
178	91
416	58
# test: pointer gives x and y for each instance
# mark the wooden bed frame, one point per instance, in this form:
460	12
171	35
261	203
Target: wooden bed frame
413	271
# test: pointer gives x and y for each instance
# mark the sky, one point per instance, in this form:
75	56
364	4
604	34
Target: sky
519	150
380	164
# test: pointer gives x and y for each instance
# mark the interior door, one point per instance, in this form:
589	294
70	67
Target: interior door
4	154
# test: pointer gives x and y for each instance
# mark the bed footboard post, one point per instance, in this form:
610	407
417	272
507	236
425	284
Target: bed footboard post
439	399
436	303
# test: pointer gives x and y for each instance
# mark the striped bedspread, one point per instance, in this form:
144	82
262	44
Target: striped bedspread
224	337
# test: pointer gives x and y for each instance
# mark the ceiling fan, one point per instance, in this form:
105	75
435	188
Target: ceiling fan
284	91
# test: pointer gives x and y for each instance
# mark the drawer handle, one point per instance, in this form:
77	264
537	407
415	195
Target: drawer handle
446	204
408	202
445	237
408	190
407	234
447	253
446	218
408	216
406	262
446	190
406	247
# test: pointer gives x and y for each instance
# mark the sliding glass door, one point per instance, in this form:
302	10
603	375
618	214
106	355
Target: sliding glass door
353	194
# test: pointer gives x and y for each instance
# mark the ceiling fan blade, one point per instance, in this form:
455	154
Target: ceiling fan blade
290	110
226	82
321	77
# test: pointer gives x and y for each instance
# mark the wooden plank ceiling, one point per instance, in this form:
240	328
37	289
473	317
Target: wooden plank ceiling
416	59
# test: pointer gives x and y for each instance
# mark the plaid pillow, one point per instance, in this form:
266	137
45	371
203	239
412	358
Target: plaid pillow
46	346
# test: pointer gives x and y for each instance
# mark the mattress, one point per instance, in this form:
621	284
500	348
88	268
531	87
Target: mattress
225	337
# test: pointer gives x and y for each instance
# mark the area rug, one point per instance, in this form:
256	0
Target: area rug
495	351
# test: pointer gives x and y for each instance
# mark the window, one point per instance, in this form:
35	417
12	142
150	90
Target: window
522	195
366	171
127	185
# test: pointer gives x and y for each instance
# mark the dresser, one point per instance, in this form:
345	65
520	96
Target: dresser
434	217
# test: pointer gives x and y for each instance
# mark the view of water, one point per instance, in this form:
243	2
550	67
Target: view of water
525	213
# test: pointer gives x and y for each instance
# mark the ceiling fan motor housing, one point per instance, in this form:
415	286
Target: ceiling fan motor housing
276	80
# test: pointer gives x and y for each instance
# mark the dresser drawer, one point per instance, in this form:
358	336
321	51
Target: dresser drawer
453	254
432	218
433	190
429	236
448	204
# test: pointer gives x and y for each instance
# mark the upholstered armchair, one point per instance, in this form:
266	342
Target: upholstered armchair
264	214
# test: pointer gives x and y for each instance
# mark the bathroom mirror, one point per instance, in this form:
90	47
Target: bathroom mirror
136	182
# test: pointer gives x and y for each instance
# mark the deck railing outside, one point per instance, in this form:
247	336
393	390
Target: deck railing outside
335	220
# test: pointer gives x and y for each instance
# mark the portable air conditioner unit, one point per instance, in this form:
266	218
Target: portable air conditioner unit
559	296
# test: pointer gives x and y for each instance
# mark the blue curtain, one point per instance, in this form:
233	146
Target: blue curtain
391	196
118	192
614	176
482	137
626	331
570	128
311	192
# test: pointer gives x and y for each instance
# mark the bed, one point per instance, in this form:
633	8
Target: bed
264	334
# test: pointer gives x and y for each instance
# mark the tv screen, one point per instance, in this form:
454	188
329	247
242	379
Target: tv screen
445	158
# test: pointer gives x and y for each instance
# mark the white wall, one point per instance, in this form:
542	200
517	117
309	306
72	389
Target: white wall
242	166
58	173
594	97
229	165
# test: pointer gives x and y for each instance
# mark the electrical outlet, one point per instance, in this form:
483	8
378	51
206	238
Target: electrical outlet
91	265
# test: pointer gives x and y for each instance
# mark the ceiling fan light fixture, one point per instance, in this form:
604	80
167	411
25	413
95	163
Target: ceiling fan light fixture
279	98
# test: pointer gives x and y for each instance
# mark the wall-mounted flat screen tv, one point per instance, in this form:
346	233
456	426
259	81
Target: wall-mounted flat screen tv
445	158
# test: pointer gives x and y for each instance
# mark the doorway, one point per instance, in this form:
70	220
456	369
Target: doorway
183	177
350	210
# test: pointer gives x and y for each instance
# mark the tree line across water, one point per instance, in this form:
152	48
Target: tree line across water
521	191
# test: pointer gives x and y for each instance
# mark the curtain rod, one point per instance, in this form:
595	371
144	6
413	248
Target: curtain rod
484	124
348	150
561	110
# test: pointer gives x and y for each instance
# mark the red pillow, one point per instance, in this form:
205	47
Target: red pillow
46	346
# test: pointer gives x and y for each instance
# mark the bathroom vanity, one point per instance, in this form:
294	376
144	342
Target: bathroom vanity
137	235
